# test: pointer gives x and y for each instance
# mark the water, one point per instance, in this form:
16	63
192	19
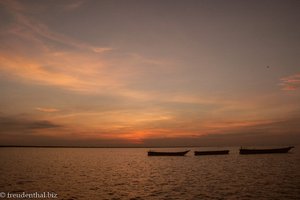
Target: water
124	173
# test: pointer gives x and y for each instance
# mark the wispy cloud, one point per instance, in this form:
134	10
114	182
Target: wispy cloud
73	5
58	60
70	67
101	49
27	27
48	110
290	83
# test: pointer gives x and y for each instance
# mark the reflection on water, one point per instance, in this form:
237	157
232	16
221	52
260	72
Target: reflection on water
79	173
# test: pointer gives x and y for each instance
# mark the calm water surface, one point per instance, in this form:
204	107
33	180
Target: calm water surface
89	173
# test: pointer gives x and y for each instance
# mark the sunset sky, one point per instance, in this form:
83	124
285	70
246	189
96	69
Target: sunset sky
149	73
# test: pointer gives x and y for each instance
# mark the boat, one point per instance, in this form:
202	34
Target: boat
157	153
202	153
265	151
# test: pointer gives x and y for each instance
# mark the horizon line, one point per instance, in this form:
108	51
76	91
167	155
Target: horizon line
75	146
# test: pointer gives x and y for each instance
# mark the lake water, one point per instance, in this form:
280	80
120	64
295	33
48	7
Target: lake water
128	173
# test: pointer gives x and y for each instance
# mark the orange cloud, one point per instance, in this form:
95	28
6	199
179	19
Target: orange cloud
235	124
79	68
76	66
48	110
290	83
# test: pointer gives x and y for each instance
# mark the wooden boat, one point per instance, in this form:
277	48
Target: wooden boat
202	153
265	151
156	153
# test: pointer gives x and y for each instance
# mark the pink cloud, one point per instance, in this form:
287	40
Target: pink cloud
290	83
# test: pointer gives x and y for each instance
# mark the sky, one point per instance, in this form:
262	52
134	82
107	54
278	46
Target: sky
149	73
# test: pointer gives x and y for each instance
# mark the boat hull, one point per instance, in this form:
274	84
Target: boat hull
265	151
155	153
203	153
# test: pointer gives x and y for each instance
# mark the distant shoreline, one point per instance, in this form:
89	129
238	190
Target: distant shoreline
133	147
33	146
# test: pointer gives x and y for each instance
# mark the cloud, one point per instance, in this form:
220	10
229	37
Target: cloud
27	27
290	83
281	132
278	133
73	5
55	59
101	49
42	125
48	110
9	124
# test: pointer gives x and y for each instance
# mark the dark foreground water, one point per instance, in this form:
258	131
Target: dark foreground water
81	173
